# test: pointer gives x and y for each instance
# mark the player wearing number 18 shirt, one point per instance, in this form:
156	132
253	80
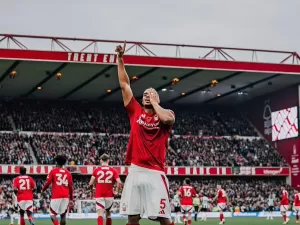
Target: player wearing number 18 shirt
23	188
187	193
146	189
62	190
105	177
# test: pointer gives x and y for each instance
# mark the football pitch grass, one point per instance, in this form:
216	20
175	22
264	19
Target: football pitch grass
231	221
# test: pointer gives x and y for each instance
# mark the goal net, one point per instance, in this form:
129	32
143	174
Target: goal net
89	206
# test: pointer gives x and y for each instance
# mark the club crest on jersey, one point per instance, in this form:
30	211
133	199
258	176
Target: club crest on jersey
147	122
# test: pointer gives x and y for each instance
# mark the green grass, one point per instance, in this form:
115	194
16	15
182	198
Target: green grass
230	221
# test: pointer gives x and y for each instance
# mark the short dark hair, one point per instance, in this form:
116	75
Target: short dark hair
187	181
23	170
60	160
104	157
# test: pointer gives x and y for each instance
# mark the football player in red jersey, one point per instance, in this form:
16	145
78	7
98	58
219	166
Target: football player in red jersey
284	204
105	178
187	193
23	188
221	196
62	190
146	190
297	205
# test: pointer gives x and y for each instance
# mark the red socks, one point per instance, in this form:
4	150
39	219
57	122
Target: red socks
184	218
189	222
100	220
221	217
284	217
22	221
55	222
108	221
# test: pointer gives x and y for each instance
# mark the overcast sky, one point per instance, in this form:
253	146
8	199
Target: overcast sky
268	24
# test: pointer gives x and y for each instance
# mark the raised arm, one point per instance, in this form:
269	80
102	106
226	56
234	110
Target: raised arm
123	76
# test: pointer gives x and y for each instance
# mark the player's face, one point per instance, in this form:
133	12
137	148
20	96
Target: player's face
146	98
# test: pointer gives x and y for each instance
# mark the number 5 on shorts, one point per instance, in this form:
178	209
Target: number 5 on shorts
162	206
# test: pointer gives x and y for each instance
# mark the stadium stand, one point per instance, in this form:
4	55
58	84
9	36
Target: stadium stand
57	116
183	151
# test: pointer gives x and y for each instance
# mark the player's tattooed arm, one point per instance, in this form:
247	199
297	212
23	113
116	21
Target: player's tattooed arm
123	76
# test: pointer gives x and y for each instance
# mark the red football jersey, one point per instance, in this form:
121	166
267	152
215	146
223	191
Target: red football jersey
148	138
297	199
24	184
187	193
62	183
105	177
284	198
222	197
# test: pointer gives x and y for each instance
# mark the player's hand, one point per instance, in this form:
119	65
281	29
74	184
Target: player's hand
153	96
121	50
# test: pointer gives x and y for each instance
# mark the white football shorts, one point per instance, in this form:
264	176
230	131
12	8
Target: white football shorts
26	205
284	208
59	206
187	208
221	206
104	203
146	193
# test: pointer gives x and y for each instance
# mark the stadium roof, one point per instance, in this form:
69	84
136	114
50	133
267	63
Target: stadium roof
89	70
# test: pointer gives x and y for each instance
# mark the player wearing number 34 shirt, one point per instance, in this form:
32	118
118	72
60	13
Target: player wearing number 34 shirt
62	188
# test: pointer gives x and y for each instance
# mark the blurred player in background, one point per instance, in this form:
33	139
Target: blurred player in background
23	188
13	210
177	209
297	205
204	207
222	199
196	203
271	204
62	190
105	177
146	190
187	193
284	204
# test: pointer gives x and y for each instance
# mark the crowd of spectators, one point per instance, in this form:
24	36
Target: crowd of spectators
183	151
14	149
249	194
195	151
63	116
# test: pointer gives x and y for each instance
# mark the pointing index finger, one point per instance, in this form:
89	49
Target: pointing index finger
124	46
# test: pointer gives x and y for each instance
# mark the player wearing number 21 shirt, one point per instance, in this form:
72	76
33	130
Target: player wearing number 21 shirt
23	188
187	193
62	190
146	189
105	177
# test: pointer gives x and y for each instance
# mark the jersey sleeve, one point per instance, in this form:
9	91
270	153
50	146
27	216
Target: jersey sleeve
94	173
132	107
32	183
181	191
116	174
15	184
